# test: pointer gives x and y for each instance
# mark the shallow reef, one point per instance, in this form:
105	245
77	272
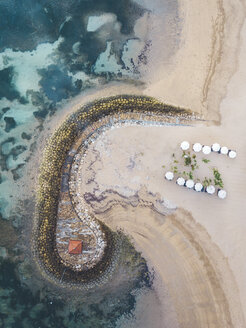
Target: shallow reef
22	306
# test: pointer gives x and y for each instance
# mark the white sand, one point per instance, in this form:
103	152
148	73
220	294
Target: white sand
187	79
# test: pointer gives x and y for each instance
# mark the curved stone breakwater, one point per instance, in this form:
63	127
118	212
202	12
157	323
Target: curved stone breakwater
53	192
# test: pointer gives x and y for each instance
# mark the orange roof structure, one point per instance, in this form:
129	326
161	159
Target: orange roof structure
75	247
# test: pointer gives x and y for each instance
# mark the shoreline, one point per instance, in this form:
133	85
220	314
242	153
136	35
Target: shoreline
215	90
161	93
117	88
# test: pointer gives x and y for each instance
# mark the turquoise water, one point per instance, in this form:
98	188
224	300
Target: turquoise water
51	51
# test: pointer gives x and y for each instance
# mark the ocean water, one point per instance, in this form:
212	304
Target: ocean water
50	52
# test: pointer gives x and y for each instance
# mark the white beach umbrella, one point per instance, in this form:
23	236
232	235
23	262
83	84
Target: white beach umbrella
185	145
189	184
216	147
197	147
206	150
210	189
224	150
169	176
232	154
221	193
198	186
180	181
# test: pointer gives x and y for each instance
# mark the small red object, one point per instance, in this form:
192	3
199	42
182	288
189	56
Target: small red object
75	247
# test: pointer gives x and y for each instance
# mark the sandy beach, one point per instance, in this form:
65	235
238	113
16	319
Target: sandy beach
119	173
194	242
195	77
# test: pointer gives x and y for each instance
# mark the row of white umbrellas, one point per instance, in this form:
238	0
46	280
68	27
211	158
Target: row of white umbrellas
197	147
190	184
